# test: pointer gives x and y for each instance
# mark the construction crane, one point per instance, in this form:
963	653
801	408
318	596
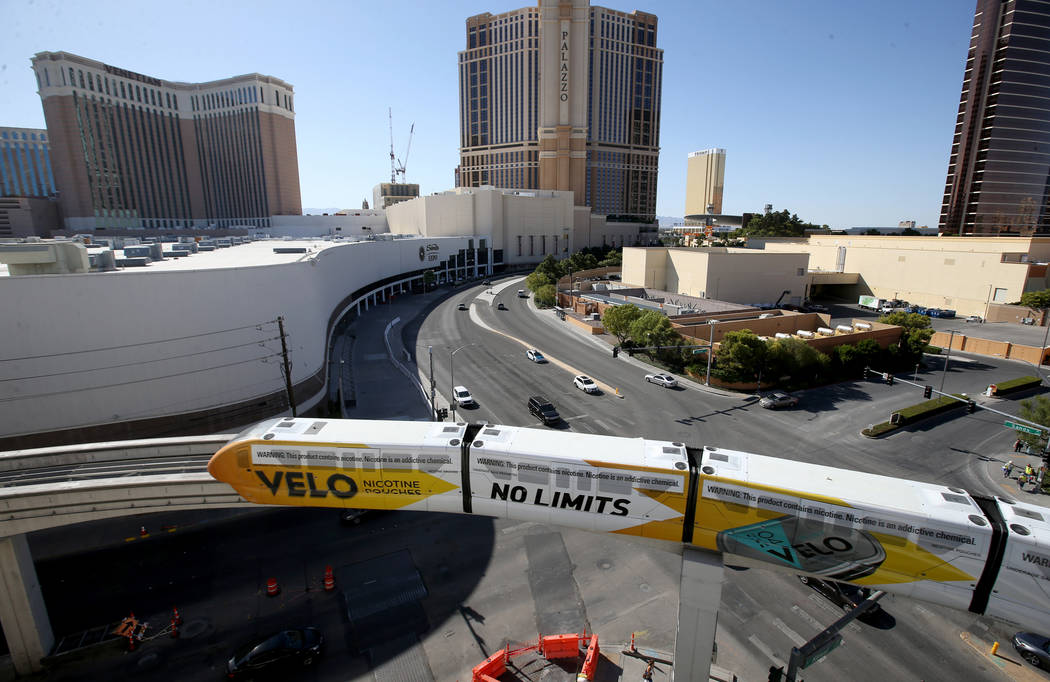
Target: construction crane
397	167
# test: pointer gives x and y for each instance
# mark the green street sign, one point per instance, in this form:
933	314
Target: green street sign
820	651
1023	428
698	351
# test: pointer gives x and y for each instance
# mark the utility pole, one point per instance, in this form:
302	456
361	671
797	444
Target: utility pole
287	365
710	350
947	357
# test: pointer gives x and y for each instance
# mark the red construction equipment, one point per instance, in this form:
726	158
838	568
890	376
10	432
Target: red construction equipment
272	588
560	646
329	579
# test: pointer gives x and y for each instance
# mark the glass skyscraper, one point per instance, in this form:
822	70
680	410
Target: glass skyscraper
999	170
25	163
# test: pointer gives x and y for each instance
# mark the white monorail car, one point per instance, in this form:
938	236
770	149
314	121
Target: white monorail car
935	543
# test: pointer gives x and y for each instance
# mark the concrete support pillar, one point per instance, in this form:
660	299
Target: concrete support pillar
700	595
22	609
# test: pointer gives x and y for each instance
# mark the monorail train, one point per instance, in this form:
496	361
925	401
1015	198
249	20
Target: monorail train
930	542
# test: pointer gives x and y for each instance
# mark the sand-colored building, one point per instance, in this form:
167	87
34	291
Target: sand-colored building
965	274
735	275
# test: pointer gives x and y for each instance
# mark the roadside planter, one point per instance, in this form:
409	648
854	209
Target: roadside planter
1014	385
915	413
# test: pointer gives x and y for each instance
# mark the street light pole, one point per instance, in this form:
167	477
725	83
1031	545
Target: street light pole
433	404
452	378
1045	334
710	349
947	357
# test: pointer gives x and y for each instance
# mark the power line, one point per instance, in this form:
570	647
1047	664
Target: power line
136	381
143	362
258	326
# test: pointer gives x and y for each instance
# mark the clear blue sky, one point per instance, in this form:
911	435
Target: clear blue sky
841	111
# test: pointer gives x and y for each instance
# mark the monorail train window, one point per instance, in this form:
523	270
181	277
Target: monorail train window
958	499
583	481
1028	513
608	483
530	474
562	478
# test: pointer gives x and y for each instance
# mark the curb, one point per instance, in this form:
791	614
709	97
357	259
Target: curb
1014	669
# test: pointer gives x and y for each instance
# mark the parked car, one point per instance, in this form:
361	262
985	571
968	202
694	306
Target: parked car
665	380
1033	648
945	312
535	356
542	409
775	401
974	318
585	383
280	652
844	595
816	308
463	397
462	306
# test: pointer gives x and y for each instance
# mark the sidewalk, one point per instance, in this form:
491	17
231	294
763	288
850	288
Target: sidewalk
1008	485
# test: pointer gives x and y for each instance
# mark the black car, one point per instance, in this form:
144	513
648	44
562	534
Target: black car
844	595
543	409
276	654
1033	648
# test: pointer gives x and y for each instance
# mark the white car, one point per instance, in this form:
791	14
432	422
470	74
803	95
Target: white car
775	401
585	384
665	380
535	356
463	397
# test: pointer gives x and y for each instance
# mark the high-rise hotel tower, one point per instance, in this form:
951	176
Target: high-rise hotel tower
131	151
999	169
564	96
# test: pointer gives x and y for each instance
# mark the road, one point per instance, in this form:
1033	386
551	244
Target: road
763	614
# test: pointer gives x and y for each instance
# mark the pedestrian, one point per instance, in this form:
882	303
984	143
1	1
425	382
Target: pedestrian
1039	480
1021	480
1028	471
1017	445
1007	468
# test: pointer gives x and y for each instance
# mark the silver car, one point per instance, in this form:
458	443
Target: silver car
775	401
663	379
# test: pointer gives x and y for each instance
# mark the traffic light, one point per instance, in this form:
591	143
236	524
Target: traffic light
971	406
442	413
775	674
867	373
888	378
927	392
616	351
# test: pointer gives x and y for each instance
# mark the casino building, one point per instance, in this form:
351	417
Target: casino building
134	151
564	96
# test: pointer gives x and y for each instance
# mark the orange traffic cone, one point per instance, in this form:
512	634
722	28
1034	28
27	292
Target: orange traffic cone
175	615
329	579
142	532
272	588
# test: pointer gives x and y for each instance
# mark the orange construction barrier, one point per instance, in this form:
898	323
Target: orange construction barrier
560	646
329	579
590	663
492	667
272	588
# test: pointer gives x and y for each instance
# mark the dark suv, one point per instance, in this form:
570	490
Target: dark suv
844	595
542	408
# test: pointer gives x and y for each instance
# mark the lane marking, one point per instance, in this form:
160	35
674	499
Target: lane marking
804	615
761	646
798	639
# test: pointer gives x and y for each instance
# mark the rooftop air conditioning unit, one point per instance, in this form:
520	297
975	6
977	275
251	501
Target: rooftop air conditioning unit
782	335
805	334
862	325
844	328
765	316
824	331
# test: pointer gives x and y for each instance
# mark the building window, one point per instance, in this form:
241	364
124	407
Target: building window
532	245
519	245
801	272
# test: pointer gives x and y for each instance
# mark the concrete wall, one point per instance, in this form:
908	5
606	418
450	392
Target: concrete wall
1000	349
209	324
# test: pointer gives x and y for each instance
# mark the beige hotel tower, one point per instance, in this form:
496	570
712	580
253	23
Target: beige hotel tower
564	96
704	181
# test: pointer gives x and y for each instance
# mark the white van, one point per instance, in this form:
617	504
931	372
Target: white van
522	293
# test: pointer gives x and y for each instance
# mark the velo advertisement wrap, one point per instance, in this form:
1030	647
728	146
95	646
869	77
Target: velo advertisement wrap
831	538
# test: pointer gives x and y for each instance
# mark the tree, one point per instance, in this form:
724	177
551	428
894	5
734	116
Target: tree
776	224
653	329
741	355
916	334
545	295
910	232
618	320
538	279
872	231
582	261
613	258
1036	410
428	279
552	267
1036	299
798	360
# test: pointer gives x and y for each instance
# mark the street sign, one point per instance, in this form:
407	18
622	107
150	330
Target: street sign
819	651
697	351
1023	428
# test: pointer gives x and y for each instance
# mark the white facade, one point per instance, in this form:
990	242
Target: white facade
360	222
96	348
